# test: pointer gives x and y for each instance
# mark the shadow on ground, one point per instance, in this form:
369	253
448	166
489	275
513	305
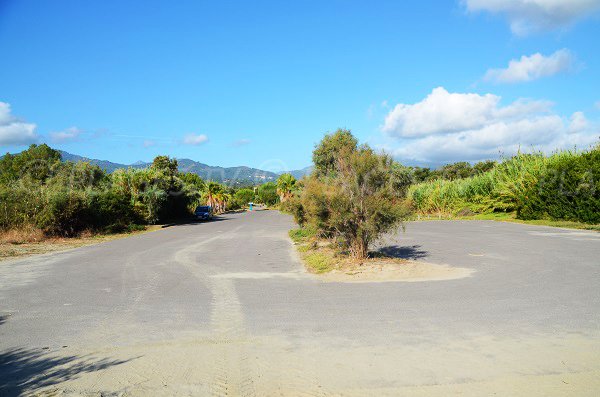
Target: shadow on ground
412	252
187	222
26	371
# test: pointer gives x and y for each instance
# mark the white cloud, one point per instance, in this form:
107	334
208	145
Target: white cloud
241	142
578	123
195	140
442	112
527	16
148	143
597	104
14	131
70	134
532	67
446	127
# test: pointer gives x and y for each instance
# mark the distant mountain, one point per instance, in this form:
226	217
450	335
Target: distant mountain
229	175
298	174
226	174
104	164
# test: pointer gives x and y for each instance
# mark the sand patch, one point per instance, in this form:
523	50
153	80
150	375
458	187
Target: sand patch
408	271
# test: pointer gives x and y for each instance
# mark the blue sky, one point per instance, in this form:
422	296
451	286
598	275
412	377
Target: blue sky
259	83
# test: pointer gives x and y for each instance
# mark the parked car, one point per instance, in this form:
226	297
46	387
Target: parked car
203	212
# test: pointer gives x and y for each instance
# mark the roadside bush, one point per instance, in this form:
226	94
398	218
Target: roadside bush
568	189
112	212
65	213
561	186
242	197
267	194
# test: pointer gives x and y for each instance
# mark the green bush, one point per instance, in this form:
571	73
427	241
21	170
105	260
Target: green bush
267	194
568	189
564	186
65	213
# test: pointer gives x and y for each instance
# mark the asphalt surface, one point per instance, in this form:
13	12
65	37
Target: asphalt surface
226	308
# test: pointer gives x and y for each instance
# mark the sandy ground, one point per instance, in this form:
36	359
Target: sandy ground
49	245
410	271
238	364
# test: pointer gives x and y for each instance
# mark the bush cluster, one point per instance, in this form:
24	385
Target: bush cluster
562	186
38	190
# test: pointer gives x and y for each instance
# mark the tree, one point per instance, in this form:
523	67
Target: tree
286	184
167	169
421	174
355	201
483	167
244	196
267	193
402	178
332	147
37	163
211	194
454	171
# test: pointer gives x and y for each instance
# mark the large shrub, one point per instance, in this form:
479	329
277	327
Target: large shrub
569	189
267	194
351	196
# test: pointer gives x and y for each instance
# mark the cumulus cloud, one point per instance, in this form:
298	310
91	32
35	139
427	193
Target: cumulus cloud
527	16
195	140
70	134
442	112
532	67
447	127
14	131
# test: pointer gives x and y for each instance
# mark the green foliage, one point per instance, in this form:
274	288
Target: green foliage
242	197
286	185
319	262
483	167
332	147
568	189
302	234
37	190
561	186
37	163
267	194
455	171
352	196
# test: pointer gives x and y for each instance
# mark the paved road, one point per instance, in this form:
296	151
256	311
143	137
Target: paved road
225	308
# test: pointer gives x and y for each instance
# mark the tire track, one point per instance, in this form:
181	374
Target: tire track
232	372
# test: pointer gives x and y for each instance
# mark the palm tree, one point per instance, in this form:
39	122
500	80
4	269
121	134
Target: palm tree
286	184
213	189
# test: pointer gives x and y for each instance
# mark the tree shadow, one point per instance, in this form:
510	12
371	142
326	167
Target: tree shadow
25	371
412	252
188	222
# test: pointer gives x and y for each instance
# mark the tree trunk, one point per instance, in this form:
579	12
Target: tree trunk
359	248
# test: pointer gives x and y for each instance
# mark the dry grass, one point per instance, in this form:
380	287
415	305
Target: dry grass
22	236
320	256
30	241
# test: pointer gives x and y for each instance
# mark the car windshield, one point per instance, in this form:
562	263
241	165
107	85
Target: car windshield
203	209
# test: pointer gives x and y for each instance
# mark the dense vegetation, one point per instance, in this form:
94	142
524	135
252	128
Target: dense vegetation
38	190
351	196
562	186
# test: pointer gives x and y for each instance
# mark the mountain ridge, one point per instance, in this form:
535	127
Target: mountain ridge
232	175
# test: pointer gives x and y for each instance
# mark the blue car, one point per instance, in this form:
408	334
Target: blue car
203	212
